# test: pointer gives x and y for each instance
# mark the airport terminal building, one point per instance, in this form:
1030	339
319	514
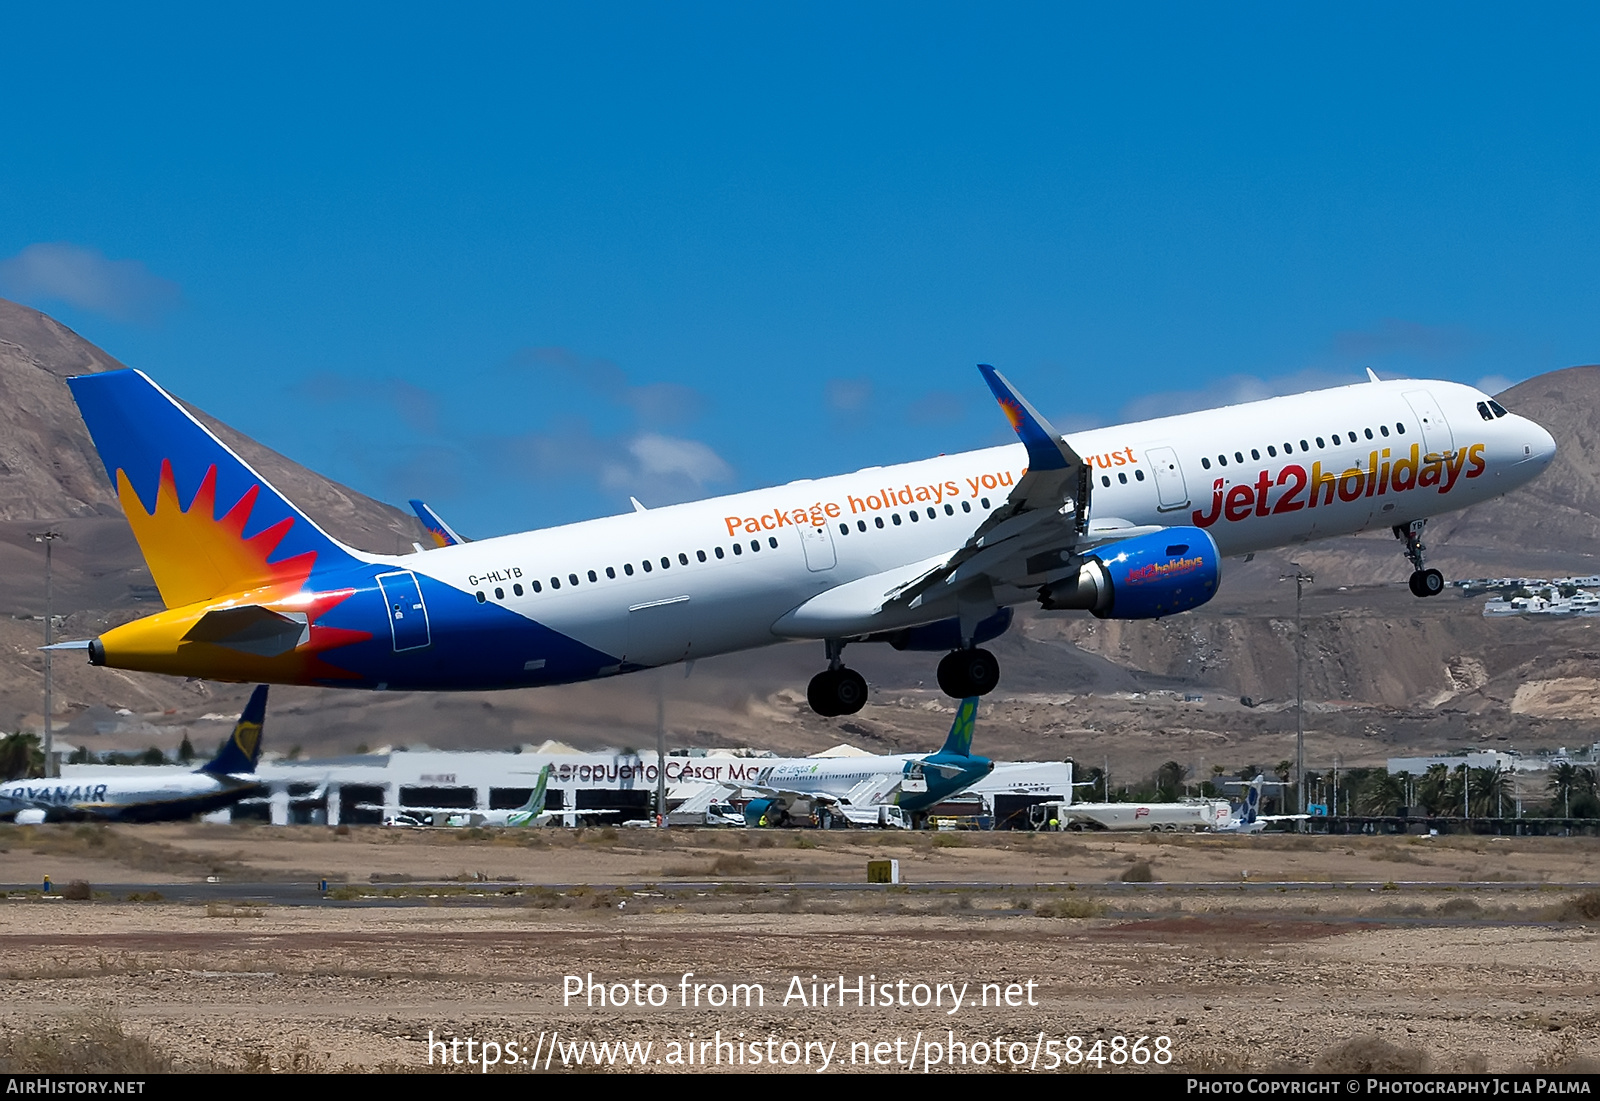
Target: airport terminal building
358	789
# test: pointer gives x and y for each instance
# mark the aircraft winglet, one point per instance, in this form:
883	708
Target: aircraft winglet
1045	450
443	534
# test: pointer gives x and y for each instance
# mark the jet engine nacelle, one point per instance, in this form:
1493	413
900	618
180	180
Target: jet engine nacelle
1153	575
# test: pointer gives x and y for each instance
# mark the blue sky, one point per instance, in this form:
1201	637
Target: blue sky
525	261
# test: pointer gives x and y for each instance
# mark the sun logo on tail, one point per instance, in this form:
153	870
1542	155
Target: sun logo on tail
194	555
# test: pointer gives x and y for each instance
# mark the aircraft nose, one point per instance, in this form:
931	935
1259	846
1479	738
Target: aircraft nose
1539	446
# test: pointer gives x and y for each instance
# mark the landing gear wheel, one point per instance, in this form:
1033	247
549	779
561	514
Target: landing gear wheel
1427	583
1424	582
850	691
964	673
820	693
834	692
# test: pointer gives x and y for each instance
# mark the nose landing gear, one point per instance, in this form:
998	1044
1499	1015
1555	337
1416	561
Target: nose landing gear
1424	581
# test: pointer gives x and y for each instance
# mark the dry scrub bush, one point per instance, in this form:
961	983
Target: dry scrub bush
1139	872
93	1043
1370	1055
1584	907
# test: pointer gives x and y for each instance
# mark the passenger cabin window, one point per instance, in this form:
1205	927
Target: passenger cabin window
611	572
517	588
949	510
627	568
645	564
537	587
1320	443
984	502
555	582
1205	462
1255	455
1383	429
1121	477
666	563
1139	474
701	555
481	597
1272	452
572	579
772	541
1369	433
844	529
683	559
737	549
896	519
1400	428
717	551
878	520
755	544
593	576
1105	481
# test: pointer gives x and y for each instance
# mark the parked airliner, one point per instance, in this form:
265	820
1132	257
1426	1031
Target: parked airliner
131	795
845	790
1128	522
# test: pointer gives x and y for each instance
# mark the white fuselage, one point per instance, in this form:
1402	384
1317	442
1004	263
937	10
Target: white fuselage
146	797
725	574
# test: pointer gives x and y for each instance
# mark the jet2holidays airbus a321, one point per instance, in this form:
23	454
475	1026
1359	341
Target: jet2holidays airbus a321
1128	522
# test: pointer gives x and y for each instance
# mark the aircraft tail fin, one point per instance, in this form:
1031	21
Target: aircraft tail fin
536	798
242	750
959	741
1252	802
206	522
443	534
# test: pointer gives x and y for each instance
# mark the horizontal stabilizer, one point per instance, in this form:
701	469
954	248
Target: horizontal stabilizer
252	629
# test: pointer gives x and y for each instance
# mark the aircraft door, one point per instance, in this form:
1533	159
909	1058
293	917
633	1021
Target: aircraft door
818	545
1436	435
659	631
1171	491
408	616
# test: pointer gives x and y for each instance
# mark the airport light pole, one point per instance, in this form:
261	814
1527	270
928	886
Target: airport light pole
48	537
1301	579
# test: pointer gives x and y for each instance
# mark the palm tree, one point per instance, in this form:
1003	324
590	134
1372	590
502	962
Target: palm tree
1563	778
1169	778
20	756
1434	790
1380	794
1487	787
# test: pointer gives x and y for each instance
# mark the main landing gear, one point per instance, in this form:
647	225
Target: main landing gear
837	690
964	673
1424	582
840	691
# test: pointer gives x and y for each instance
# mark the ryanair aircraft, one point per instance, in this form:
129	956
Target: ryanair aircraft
125	795
1130	522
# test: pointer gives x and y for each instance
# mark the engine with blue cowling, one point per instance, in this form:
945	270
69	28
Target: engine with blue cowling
1162	573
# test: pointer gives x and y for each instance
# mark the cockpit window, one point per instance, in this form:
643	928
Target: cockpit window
1483	411
1499	410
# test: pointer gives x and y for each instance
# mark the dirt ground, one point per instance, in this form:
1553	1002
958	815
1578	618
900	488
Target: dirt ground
1250	953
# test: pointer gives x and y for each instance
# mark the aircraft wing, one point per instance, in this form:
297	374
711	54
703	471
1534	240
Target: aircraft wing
1037	529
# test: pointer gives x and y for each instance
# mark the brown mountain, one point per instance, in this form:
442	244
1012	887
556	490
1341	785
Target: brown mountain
1384	670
